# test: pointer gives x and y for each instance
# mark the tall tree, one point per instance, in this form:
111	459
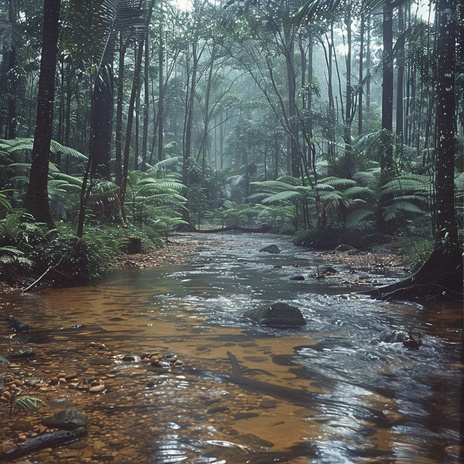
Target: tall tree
9	78
386	159
36	201
441	274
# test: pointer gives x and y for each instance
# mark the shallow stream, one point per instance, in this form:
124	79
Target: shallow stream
345	396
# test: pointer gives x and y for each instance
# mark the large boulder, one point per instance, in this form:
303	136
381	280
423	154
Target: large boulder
278	315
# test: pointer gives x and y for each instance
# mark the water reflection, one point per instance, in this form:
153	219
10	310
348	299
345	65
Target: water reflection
331	392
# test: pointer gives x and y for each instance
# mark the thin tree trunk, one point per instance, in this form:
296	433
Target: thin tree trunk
348	162
386	163
361	77
189	116
119	106
130	119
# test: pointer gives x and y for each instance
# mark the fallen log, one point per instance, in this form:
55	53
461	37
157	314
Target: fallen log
260	230
10	450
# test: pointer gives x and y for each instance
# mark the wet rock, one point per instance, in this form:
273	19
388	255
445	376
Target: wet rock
217	409
413	343
21	352
393	336
270	249
297	277
68	419
18	326
327	270
278	315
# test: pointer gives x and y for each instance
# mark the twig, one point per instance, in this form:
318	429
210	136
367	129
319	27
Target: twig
51	268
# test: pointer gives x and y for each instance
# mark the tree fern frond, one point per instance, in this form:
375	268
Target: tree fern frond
359	192
367	178
282	196
338	182
358	217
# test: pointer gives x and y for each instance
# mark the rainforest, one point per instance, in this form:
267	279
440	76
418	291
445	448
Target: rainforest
169	170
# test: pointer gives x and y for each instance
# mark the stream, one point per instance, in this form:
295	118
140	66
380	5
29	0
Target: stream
345	396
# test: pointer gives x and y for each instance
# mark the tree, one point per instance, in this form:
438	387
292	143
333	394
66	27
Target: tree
441	274
9	78
36	201
386	158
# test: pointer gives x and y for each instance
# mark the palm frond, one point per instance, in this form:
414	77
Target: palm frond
312	8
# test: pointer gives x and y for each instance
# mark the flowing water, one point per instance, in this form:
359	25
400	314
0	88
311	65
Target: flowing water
331	392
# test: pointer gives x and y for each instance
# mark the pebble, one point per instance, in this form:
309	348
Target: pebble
97	388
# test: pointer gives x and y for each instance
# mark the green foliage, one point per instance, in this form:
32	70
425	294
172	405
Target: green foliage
4	202
416	251
154	195
20	230
27	402
21	402
236	214
329	237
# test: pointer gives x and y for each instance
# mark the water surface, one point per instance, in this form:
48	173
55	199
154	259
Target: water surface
356	398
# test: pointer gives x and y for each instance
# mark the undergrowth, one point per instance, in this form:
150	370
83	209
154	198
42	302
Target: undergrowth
29	251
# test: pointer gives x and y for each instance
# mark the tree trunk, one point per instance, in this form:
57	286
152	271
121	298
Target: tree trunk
119	107
361	77
400	82
348	161
386	162
189	116
102	115
130	119
9	81
36	201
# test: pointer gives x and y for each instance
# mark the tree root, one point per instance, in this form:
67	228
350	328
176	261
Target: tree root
440	277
